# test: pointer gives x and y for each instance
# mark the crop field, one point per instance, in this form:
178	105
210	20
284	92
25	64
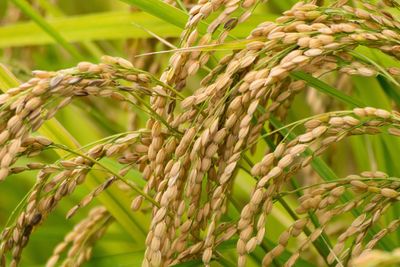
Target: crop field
199	133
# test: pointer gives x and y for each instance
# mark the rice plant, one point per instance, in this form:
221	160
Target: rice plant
200	133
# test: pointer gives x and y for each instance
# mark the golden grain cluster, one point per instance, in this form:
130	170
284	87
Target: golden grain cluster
192	146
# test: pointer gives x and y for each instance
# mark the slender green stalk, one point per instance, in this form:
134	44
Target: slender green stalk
162	10
57	12
35	16
181	5
326	88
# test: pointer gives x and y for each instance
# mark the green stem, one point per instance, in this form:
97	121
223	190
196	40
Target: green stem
35	16
181	5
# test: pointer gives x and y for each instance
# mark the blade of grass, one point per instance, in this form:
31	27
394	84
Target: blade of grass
389	90
26	8
164	11
181	5
159	38
114	25
7	79
377	65
53	10
326	88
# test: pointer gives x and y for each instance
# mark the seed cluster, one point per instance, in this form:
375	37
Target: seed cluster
193	147
81	239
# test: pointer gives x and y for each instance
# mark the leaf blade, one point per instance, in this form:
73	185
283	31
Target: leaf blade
30	12
326	88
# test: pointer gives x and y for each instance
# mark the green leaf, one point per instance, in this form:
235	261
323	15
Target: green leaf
55	11
162	10
326	88
37	18
114	25
7	79
389	90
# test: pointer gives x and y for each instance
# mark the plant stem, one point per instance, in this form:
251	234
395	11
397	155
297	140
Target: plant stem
35	16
